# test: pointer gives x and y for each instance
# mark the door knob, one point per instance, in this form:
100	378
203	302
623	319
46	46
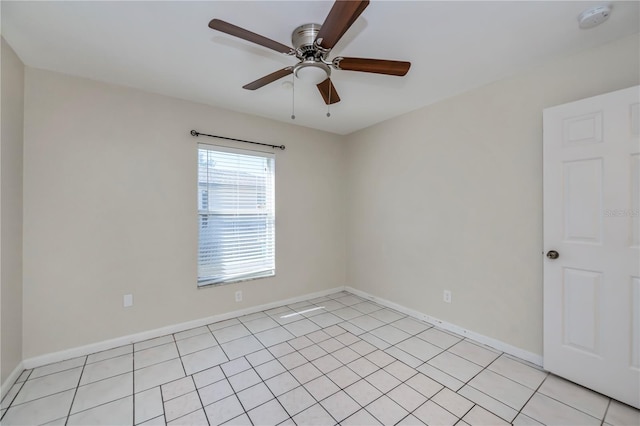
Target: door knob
552	254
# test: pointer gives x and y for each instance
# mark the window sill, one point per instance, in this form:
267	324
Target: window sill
210	284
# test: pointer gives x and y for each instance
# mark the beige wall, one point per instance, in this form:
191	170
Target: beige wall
110	208
11	210
450	197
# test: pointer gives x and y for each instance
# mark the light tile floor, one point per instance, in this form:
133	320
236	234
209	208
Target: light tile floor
331	360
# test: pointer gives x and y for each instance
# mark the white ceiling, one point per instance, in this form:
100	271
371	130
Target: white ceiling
167	48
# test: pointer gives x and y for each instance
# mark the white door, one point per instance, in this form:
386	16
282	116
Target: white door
591	219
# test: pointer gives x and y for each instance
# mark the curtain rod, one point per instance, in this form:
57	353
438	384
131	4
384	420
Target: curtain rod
196	134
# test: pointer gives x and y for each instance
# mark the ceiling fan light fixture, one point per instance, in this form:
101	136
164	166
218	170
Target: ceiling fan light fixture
312	72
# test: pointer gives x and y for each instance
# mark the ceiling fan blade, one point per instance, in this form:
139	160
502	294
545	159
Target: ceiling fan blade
225	27
328	92
341	16
268	79
378	66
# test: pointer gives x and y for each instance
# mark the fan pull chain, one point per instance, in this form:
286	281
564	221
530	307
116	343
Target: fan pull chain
329	104
293	97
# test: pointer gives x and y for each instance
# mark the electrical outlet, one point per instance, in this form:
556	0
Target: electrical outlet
239	296
127	300
447	296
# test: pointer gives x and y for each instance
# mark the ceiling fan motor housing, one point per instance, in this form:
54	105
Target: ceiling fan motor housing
303	39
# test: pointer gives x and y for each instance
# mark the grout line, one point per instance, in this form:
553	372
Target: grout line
76	390
28	375
180	357
110	357
604	416
468	411
498	354
500	402
21	385
164	413
472	377
40	397
467	384
235	394
185	415
473	404
512	380
571	406
190	412
55	372
76	387
532	395
148	340
133	383
100	405
224	379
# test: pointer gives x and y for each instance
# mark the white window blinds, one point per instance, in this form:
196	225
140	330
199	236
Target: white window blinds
236	215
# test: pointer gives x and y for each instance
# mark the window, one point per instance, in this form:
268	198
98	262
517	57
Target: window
235	214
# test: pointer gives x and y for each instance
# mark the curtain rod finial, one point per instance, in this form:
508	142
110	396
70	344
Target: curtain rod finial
194	133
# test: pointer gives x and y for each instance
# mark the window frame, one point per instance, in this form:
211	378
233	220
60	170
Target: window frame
206	282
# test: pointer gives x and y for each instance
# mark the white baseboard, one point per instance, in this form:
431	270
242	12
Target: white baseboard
11	379
150	334
480	338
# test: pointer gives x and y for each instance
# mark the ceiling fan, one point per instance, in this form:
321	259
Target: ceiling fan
312	44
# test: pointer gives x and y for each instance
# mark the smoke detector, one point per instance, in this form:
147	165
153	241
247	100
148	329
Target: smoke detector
594	16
